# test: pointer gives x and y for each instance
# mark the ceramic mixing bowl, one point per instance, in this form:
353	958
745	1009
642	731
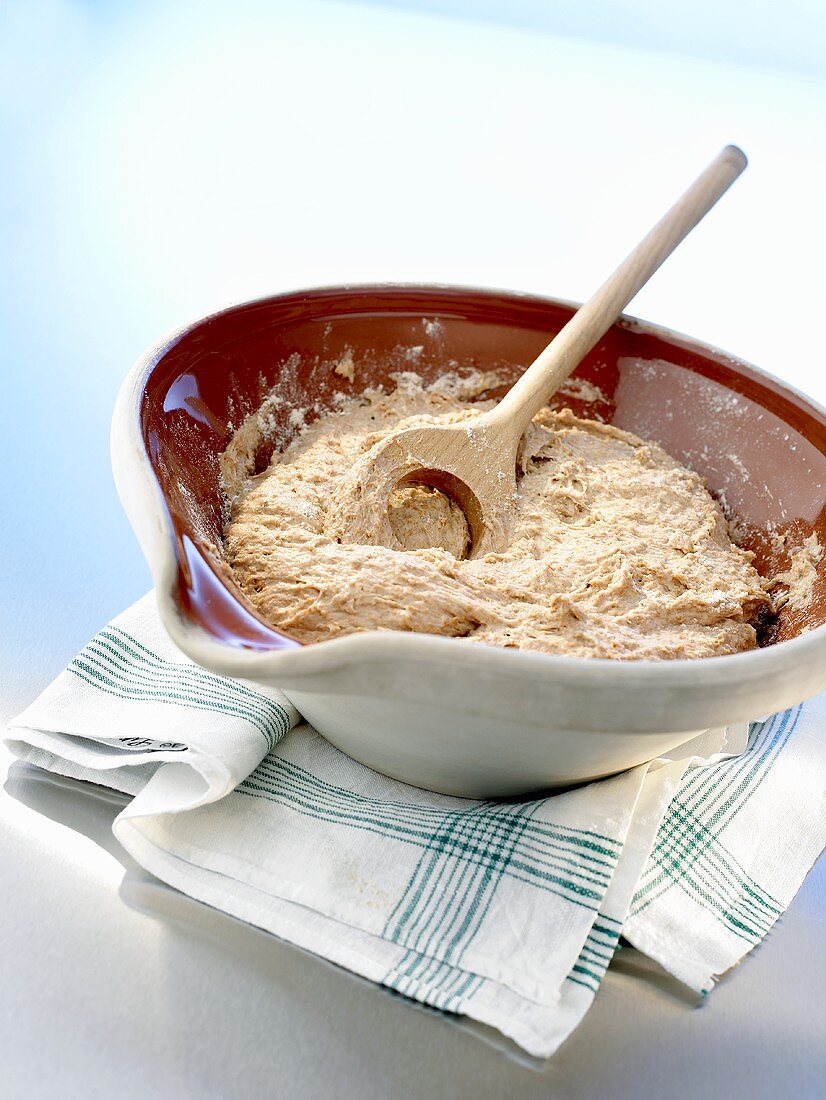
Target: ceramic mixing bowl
443	713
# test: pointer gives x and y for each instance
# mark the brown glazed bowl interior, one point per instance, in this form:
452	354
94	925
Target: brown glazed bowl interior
760	446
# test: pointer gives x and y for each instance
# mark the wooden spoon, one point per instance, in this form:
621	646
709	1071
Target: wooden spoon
474	462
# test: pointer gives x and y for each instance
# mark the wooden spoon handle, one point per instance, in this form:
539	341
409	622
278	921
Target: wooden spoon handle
561	357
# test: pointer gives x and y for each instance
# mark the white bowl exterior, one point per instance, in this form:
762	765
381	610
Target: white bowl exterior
471	755
460	717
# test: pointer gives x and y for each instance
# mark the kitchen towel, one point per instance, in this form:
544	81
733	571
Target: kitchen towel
507	912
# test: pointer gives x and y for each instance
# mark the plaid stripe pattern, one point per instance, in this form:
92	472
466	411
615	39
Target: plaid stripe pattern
115	662
467	850
464	856
689	852
596	953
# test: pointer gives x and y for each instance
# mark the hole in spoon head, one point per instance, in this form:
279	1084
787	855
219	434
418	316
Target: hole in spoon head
434	508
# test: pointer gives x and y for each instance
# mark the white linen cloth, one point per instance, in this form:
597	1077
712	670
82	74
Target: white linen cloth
508	912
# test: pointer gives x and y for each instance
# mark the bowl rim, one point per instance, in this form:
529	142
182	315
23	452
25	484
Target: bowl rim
144	502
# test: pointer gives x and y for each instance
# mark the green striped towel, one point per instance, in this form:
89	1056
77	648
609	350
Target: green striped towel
506	912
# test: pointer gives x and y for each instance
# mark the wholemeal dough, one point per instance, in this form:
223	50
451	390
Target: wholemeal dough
616	550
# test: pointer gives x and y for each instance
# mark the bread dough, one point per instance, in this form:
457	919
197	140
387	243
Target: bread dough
616	550
794	588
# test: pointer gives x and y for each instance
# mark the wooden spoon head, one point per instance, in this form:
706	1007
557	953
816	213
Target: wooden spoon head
467	462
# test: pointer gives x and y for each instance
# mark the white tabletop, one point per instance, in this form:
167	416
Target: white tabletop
163	160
